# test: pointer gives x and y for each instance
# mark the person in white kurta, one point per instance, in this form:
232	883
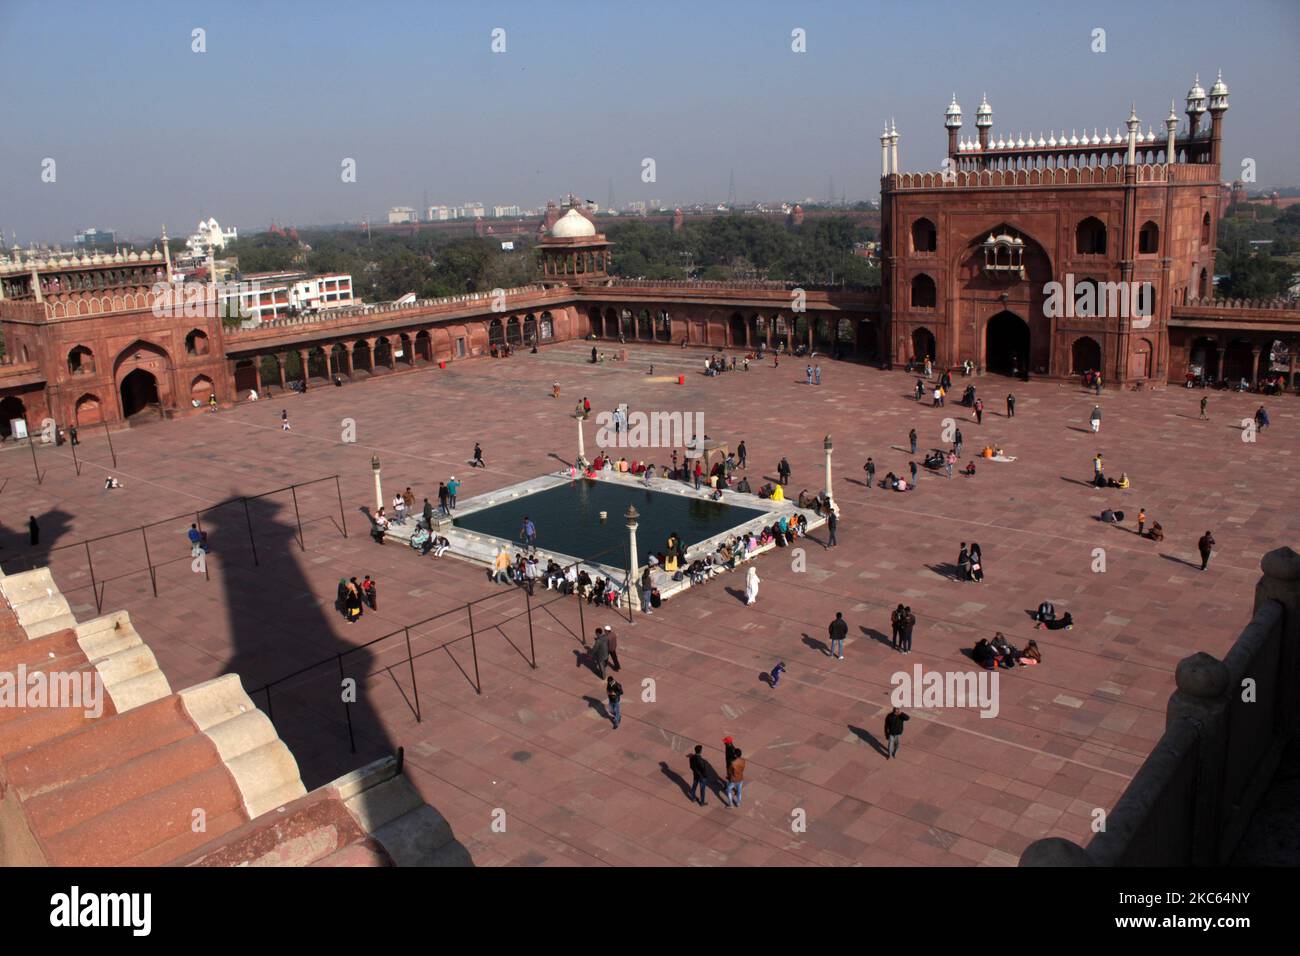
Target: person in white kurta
751	586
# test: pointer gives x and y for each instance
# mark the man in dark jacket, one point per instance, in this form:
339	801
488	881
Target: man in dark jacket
838	630
894	731
614	691
699	772
1205	545
909	622
612	640
600	652
428	515
896	626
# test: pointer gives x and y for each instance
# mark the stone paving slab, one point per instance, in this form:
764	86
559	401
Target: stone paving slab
965	790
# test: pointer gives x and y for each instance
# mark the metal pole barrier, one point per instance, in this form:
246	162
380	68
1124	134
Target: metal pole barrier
293	489
414	686
149	561
347	708
342	518
109	436
473	643
31	443
251	543
582	623
198	521
528	601
99	608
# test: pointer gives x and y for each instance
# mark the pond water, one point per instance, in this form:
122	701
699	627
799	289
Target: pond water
568	519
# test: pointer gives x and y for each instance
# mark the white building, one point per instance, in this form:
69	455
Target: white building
400	214
209	236
504	212
264	296
438	214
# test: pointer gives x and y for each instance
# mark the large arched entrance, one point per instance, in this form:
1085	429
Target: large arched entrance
139	393
11	407
1085	356
736	326
1006	344
922	344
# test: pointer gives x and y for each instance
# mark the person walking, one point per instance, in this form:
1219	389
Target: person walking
938	396
783	471
905	635
428	515
911	437
956	445
196	540
817	374
751	586
870	469
528	532
500	566
453	488
894	731
832	522
477	460
838	630
777	671
1096	382
979	411
371	592
912	466
1098	470
1205	403
1011	406
284	419
809	374
735	779
920	389
614	691
1095	418
443	495
699	773
1142	520
611	639
741	455
600	652
1205	545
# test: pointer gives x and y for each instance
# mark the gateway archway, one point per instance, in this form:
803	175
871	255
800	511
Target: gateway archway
139	392
1006	344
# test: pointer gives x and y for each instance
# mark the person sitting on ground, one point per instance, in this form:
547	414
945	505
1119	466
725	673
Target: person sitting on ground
111	482
1112	517
440	546
1156	532
778	493
765	491
984	654
582	584
1006	653
597	593
696	572
1065	623
1123	480
969	470
1046	612
765	536
987	452
1030	656
806	500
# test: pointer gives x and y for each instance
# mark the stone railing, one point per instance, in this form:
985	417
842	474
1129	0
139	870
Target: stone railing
1063	176
1226	727
704	285
1277	303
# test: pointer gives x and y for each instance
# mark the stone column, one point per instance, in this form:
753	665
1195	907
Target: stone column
1254	365
1218	359
281	358
633	566
379	491
827	445
257	374
582	448
302	357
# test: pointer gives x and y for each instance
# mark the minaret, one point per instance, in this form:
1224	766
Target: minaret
952	120
893	147
167	253
1171	135
1218	106
1133	125
1195	106
984	121
884	152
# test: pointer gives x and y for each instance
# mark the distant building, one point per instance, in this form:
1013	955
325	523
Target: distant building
95	237
264	296
209	236
503	212
438	214
400	214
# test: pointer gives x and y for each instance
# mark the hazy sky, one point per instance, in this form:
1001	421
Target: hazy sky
145	131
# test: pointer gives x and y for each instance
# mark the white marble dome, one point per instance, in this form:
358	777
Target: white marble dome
572	225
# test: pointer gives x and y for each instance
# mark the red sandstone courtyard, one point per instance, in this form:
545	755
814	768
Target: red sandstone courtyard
965	790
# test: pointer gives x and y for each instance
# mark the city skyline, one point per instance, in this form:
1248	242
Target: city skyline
579	98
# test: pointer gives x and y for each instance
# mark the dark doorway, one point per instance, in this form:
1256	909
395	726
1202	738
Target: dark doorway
1006	345
922	344
736	325
139	392
1085	356
11	407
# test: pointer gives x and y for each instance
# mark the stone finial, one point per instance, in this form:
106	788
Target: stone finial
1201	675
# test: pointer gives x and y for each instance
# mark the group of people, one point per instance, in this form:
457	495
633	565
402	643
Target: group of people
1046	617
703	777
970	563
355	596
999	652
